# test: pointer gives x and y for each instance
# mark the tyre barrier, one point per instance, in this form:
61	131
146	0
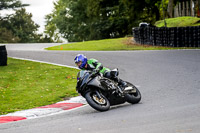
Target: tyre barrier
3	55
170	37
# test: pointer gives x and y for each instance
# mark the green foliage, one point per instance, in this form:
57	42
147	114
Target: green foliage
7	4
82	20
88	19
51	31
7	36
19	27
23	26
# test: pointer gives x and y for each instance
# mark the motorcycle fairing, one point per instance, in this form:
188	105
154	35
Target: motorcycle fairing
96	83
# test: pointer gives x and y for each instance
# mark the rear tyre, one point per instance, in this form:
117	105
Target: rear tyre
99	104
133	97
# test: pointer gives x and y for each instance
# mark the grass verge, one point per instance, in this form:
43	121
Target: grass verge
179	22
26	84
109	45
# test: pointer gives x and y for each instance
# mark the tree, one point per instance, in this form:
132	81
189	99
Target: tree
107	19
79	20
7	4
51	31
88	19
22	26
19	27
6	35
61	20
170	8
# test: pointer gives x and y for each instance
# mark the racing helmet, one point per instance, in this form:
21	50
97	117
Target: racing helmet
80	60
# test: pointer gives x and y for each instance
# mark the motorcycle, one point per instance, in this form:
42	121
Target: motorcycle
101	92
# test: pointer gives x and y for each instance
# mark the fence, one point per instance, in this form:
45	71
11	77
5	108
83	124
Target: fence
186	8
171	37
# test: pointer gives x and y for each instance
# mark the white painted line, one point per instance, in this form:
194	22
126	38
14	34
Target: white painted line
45	62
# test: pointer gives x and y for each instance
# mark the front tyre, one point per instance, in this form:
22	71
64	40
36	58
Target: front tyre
99	104
133	97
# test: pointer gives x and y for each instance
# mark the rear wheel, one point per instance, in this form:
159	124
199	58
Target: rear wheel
100	104
133	96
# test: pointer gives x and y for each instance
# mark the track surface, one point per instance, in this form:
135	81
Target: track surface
169	83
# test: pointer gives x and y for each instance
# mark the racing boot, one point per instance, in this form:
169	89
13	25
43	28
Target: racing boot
122	84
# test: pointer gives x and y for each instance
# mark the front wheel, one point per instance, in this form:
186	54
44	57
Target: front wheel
100	104
133	97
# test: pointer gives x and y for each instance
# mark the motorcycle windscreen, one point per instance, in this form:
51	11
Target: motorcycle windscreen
81	74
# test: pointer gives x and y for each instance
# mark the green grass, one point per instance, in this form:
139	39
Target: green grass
100	45
179	22
109	45
26	84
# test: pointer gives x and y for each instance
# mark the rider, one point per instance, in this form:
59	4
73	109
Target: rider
93	65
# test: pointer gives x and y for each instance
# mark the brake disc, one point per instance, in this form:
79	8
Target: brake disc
100	101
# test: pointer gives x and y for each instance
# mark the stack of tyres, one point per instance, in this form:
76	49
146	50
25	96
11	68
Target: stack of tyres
171	37
147	35
144	35
3	55
198	36
175	37
185	36
195	37
190	37
179	37
141	35
158	36
161	36
136	34
153	35
165	37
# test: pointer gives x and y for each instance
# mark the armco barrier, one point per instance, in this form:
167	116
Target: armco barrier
171	37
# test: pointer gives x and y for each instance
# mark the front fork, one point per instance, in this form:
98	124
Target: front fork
98	94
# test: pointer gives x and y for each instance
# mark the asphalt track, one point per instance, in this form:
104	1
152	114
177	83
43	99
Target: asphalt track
168	80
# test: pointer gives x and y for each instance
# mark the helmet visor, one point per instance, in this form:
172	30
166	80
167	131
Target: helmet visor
78	64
